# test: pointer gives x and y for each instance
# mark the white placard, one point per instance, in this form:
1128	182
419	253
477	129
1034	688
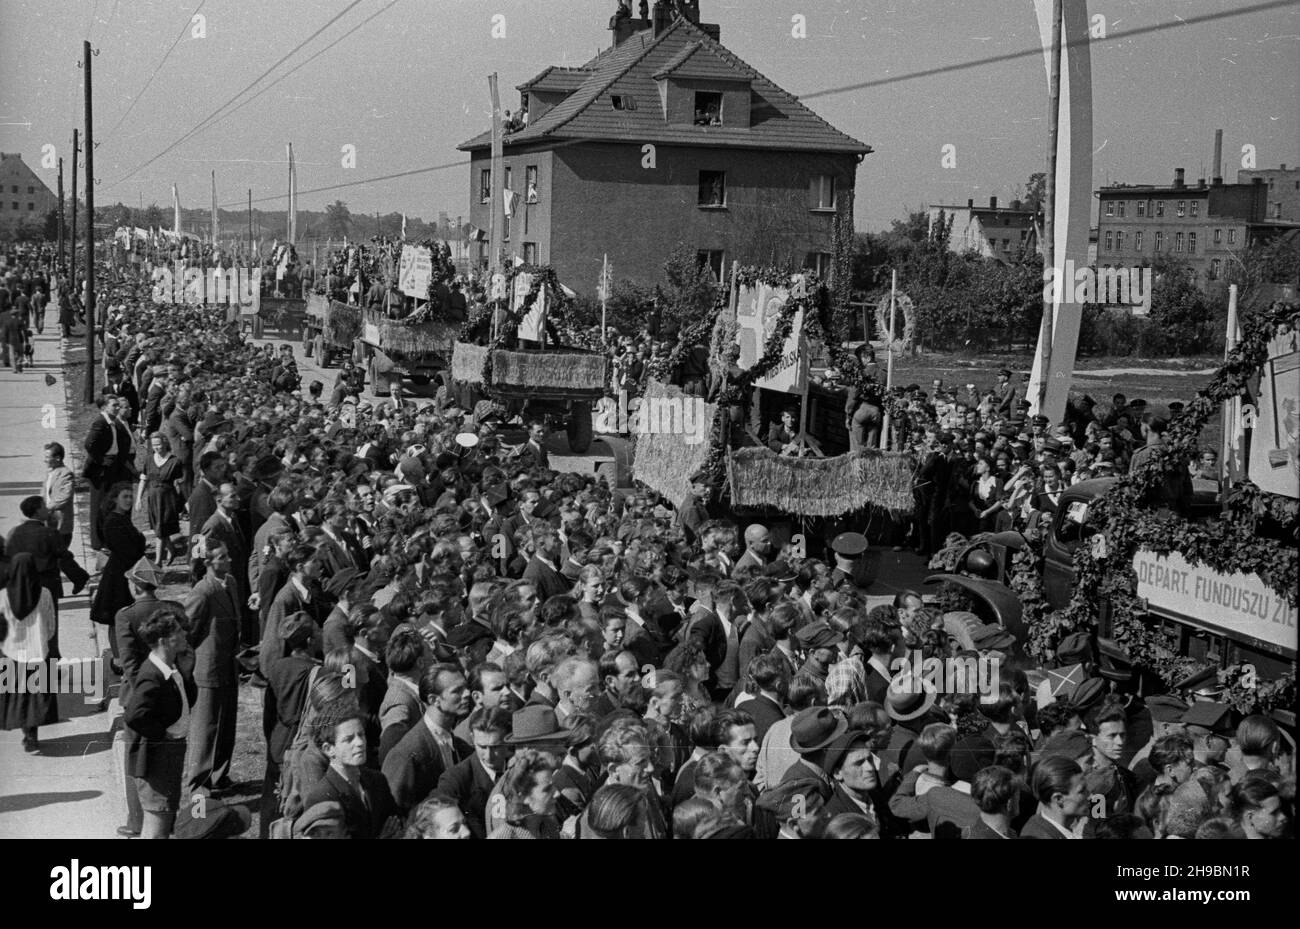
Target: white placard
415	271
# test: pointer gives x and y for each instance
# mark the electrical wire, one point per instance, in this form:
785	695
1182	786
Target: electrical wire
180	35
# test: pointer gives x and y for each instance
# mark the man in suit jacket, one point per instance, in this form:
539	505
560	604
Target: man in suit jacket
223	529
282	502
542	570
534	450
121	385
416	763
470	781
758	549
179	430
203	498
34	536
213	610
59	492
340	549
767	673
364	818
295	596
692	514
110	457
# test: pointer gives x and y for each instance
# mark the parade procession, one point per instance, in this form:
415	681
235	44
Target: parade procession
899	456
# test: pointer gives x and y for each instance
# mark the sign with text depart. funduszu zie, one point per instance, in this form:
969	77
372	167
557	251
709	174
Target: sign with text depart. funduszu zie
758	309
1237	604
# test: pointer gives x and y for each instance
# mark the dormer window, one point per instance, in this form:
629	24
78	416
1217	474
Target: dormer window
708	108
623	102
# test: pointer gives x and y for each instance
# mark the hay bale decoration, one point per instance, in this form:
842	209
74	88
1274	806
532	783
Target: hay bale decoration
821	486
665	460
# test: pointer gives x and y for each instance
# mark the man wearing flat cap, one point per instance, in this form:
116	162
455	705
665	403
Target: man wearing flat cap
850	550
1005	394
692	514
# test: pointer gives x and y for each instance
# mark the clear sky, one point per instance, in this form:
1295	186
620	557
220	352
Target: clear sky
408	86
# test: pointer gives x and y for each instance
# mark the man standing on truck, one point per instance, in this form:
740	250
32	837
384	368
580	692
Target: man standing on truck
1174	490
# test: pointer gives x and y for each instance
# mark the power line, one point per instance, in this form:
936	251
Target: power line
369	180
204	123
180	35
307	62
1011	56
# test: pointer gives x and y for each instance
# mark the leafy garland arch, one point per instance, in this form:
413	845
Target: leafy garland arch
1258	534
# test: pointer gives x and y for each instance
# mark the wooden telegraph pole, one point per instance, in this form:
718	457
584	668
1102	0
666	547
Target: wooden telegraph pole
61	208
72	260
91	380
1049	203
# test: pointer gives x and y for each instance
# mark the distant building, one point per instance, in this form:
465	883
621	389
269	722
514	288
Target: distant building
1202	224
1283	191
992	231
24	198
664	138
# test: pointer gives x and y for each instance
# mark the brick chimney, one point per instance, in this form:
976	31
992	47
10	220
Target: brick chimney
662	17
970	203
1178	178
1216	174
993	203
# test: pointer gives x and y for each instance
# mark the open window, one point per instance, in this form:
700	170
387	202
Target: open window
713	189
708	108
623	102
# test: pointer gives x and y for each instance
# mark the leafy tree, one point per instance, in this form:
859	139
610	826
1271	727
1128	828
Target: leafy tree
1180	310
1035	190
153	217
690	290
338	219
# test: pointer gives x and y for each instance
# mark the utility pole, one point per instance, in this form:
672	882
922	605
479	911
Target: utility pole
1049	203
61	207
250	227
72	260
91	380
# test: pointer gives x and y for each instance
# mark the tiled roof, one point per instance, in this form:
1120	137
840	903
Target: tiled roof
778	120
703	66
558	78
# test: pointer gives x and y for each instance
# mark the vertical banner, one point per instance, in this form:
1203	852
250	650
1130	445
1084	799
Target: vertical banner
1073	208
1274	463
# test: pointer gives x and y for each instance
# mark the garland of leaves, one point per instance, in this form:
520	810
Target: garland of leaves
905	306
1257	535
543	276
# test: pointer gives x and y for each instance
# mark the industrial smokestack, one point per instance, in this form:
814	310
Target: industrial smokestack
1178	178
1216	169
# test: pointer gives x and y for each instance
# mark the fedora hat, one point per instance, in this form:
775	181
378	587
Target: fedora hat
535	723
816	728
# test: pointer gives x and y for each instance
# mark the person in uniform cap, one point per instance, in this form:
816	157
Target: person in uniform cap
1210	727
1088	696
850	565
1039	423
821	645
692	513
322	820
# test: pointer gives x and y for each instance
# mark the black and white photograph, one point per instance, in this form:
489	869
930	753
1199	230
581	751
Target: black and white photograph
650	419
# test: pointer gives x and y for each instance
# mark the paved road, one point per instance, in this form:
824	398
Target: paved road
70	790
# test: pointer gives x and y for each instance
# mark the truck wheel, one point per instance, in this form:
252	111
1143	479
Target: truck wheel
579	427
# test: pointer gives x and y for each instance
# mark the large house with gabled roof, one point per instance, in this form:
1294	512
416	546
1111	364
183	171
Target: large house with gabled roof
665	138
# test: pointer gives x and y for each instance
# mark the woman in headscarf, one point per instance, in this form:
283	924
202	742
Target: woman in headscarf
126	545
27	610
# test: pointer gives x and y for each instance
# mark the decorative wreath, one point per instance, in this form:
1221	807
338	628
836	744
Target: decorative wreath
905	307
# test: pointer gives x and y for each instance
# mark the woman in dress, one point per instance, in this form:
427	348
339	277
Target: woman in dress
158	493
986	495
27	628
126	545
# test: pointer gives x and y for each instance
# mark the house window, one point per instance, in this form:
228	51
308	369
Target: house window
30	207
1121	209
820	264
484	185
15	205
1232	236
1182	208
1178	241
1142	208
1218	236
712	259
1160	241
530	182
1160	208
1109	239
510	181
31	190
623	102
1110	207
713	189
1191	242
506	229
530	253
1137	241
821	192
1024	236
708	108
1119	241
1006	245
1196	208
1214	269
14	189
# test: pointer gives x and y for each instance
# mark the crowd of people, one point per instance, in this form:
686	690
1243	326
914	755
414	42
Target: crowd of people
452	640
